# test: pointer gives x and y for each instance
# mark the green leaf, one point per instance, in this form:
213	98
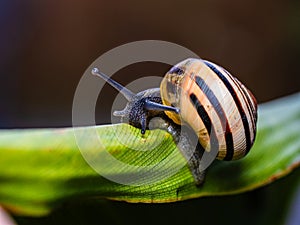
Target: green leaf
40	168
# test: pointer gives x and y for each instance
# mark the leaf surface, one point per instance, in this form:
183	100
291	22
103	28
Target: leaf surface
40	168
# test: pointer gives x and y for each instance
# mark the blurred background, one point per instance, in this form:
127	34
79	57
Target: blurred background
45	47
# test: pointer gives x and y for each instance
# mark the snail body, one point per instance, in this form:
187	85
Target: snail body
218	108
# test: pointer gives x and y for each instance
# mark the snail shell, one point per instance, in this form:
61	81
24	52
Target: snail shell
219	108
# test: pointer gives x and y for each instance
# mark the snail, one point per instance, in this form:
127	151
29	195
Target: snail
218	108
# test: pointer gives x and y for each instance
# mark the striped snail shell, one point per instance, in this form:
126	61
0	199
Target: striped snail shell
221	111
215	104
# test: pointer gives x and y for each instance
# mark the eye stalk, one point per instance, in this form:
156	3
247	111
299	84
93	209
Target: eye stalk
159	107
141	107
124	91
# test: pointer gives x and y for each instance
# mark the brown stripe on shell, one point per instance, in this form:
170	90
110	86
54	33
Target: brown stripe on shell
249	109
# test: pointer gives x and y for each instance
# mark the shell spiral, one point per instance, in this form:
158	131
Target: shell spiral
218	107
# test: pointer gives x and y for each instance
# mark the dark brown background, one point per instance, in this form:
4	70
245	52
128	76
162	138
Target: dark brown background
46	46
